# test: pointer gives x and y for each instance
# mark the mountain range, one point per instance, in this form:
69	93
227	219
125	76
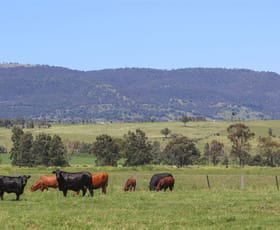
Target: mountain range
136	94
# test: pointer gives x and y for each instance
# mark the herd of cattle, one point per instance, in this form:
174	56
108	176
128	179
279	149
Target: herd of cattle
77	181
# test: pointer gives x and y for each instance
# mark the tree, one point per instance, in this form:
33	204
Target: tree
25	146
3	149
41	149
165	132
57	152
270	149
214	152
106	150
240	134
156	153
181	151
15	150
270	132
137	148
185	119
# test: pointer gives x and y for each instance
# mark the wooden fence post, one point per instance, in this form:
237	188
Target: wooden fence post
208	183
242	182
277	184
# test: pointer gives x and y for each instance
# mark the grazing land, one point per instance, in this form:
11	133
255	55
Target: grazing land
192	205
226	203
202	132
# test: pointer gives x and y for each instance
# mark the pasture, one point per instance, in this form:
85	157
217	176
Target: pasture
192	205
202	132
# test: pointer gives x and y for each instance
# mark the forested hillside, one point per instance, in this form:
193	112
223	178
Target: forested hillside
136	94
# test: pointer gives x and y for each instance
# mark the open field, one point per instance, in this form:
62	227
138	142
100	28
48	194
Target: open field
192	205
202	131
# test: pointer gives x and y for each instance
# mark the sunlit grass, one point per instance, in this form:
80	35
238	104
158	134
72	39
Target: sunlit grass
192	205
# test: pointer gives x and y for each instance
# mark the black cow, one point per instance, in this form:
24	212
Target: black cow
12	184
74	181
155	179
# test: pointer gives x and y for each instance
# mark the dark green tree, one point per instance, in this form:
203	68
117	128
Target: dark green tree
137	148
165	132
181	151
15	152
106	150
41	149
270	132
185	119
25	146
240	134
57	152
156	153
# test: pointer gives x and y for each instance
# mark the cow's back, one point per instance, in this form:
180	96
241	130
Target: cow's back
166	182
155	179
99	180
74	181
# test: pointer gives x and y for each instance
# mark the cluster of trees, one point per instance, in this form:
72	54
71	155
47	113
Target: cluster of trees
43	150
267	151
180	150
135	149
23	123
186	119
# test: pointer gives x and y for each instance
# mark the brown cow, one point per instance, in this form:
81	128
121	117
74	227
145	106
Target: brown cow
45	182
166	182
99	180
130	184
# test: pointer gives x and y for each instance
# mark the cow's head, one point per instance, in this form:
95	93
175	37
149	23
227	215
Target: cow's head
24	179
60	179
57	174
36	186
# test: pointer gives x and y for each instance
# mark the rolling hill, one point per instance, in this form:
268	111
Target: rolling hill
136	94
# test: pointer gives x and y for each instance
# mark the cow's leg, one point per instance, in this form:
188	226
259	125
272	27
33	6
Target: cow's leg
17	196
65	192
104	189
1	195
90	191
84	190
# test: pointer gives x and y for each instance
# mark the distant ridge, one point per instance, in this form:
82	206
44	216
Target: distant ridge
12	65
136	94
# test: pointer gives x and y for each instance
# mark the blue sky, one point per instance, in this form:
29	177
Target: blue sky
162	34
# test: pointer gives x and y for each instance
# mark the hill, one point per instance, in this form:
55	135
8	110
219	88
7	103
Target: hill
137	94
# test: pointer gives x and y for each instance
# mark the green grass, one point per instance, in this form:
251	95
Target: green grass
204	131
190	206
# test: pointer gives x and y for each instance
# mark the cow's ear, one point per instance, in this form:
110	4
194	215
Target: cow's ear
28	176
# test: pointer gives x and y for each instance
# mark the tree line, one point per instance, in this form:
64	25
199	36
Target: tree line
181	151
134	149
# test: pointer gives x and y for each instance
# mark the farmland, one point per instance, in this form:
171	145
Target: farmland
192	204
201	131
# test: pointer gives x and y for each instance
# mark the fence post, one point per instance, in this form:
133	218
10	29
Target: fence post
277	184
242	182
208	183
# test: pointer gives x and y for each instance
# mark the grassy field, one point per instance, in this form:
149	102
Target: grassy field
192	205
202	131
